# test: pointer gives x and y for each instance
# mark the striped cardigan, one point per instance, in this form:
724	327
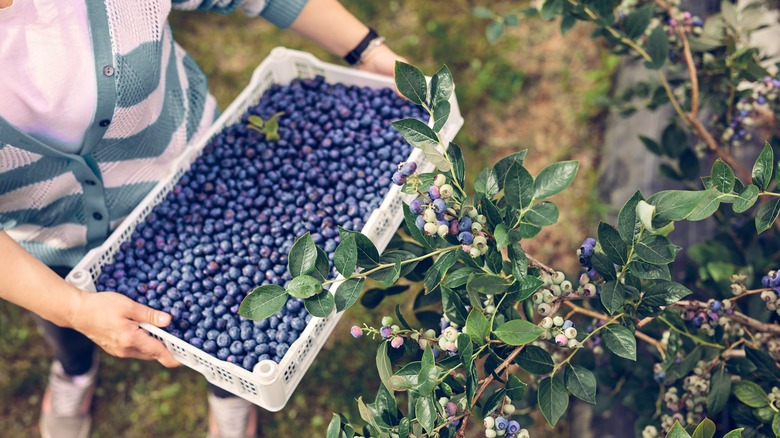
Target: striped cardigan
152	102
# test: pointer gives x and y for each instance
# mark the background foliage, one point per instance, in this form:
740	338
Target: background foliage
531	91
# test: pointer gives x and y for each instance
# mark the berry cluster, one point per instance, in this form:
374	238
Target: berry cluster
556	288
685	23
584	254
690	406
765	97
716	314
561	331
438	211
451	409
771	297
774	397
228	224
500	425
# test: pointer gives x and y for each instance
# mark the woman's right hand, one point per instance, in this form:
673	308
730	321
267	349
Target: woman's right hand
112	321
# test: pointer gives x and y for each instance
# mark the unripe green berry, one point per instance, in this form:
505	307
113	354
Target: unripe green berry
481	219
558	321
446	191
537	298
430	228
509	409
548	296
544	309
479	241
570	332
443	231
547	322
473	213
474	252
476	227
387	320
556	290
489	422
429	215
566	286
490	433
439	180
558	277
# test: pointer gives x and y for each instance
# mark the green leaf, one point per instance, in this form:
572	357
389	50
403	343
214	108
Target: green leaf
705	429
664	293
613	295
554	178
426	412
627	220
658	48
438	270
453	306
465	349
502	166
334	427
518	261
320	305
746	199
750	394
655	249
347	293
518	332
442	87
367	254
441	113
458	165
518	186
384	408
720	388
493	401
388	276
515	388
427	378
776	424
551	8
765	365
581	382
303	256
486	183
722	176
472	381
763	167
620	341
553	400
674	140
482	12
383	365
477	326
677	432
494	31
767	214
612	244
637	21
535	360
736	433
263	302
501	233
410	82
304	286
542	214
651	145
603	266
416	132
649	271
345	256
524	287
486	284
677	205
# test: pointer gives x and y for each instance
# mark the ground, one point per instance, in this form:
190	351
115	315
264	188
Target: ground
534	89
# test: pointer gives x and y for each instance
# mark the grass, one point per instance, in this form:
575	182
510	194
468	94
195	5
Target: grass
530	90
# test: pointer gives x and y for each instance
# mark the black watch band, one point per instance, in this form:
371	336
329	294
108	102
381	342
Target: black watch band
353	57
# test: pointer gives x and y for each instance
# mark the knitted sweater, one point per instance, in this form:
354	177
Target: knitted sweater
152	102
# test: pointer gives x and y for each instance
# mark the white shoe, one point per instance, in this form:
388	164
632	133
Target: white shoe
231	417
65	411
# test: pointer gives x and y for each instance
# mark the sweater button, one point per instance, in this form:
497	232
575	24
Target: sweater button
104	123
108	70
97	216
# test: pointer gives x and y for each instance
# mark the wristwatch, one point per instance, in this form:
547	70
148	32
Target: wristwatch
357	55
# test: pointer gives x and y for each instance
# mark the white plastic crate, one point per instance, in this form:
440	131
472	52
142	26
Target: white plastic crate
269	385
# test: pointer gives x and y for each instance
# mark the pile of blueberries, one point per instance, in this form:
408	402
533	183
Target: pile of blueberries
228	224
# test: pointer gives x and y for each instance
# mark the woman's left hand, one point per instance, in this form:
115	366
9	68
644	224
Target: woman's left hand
381	60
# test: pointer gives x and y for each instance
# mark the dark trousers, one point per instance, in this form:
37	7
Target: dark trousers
75	351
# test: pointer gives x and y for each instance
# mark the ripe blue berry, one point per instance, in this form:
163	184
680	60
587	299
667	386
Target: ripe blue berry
408	168
466	238
502	423
398	179
416	206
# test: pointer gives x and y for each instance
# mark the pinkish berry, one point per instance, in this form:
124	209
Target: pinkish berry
451	408
397	342
386	332
356	331
561	339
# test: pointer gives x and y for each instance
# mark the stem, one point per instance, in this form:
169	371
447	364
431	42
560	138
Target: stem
462	430
381	266
539	264
749	293
688	335
737	316
692	71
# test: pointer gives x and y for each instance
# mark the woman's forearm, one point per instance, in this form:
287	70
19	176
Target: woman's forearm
27	282
329	24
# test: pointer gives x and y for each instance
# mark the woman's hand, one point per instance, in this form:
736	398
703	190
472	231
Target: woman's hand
381	59
112	321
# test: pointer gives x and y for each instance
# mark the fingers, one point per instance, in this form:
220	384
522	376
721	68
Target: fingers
148	348
141	313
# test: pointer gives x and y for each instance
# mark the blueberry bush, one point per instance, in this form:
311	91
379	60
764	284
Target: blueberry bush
514	332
